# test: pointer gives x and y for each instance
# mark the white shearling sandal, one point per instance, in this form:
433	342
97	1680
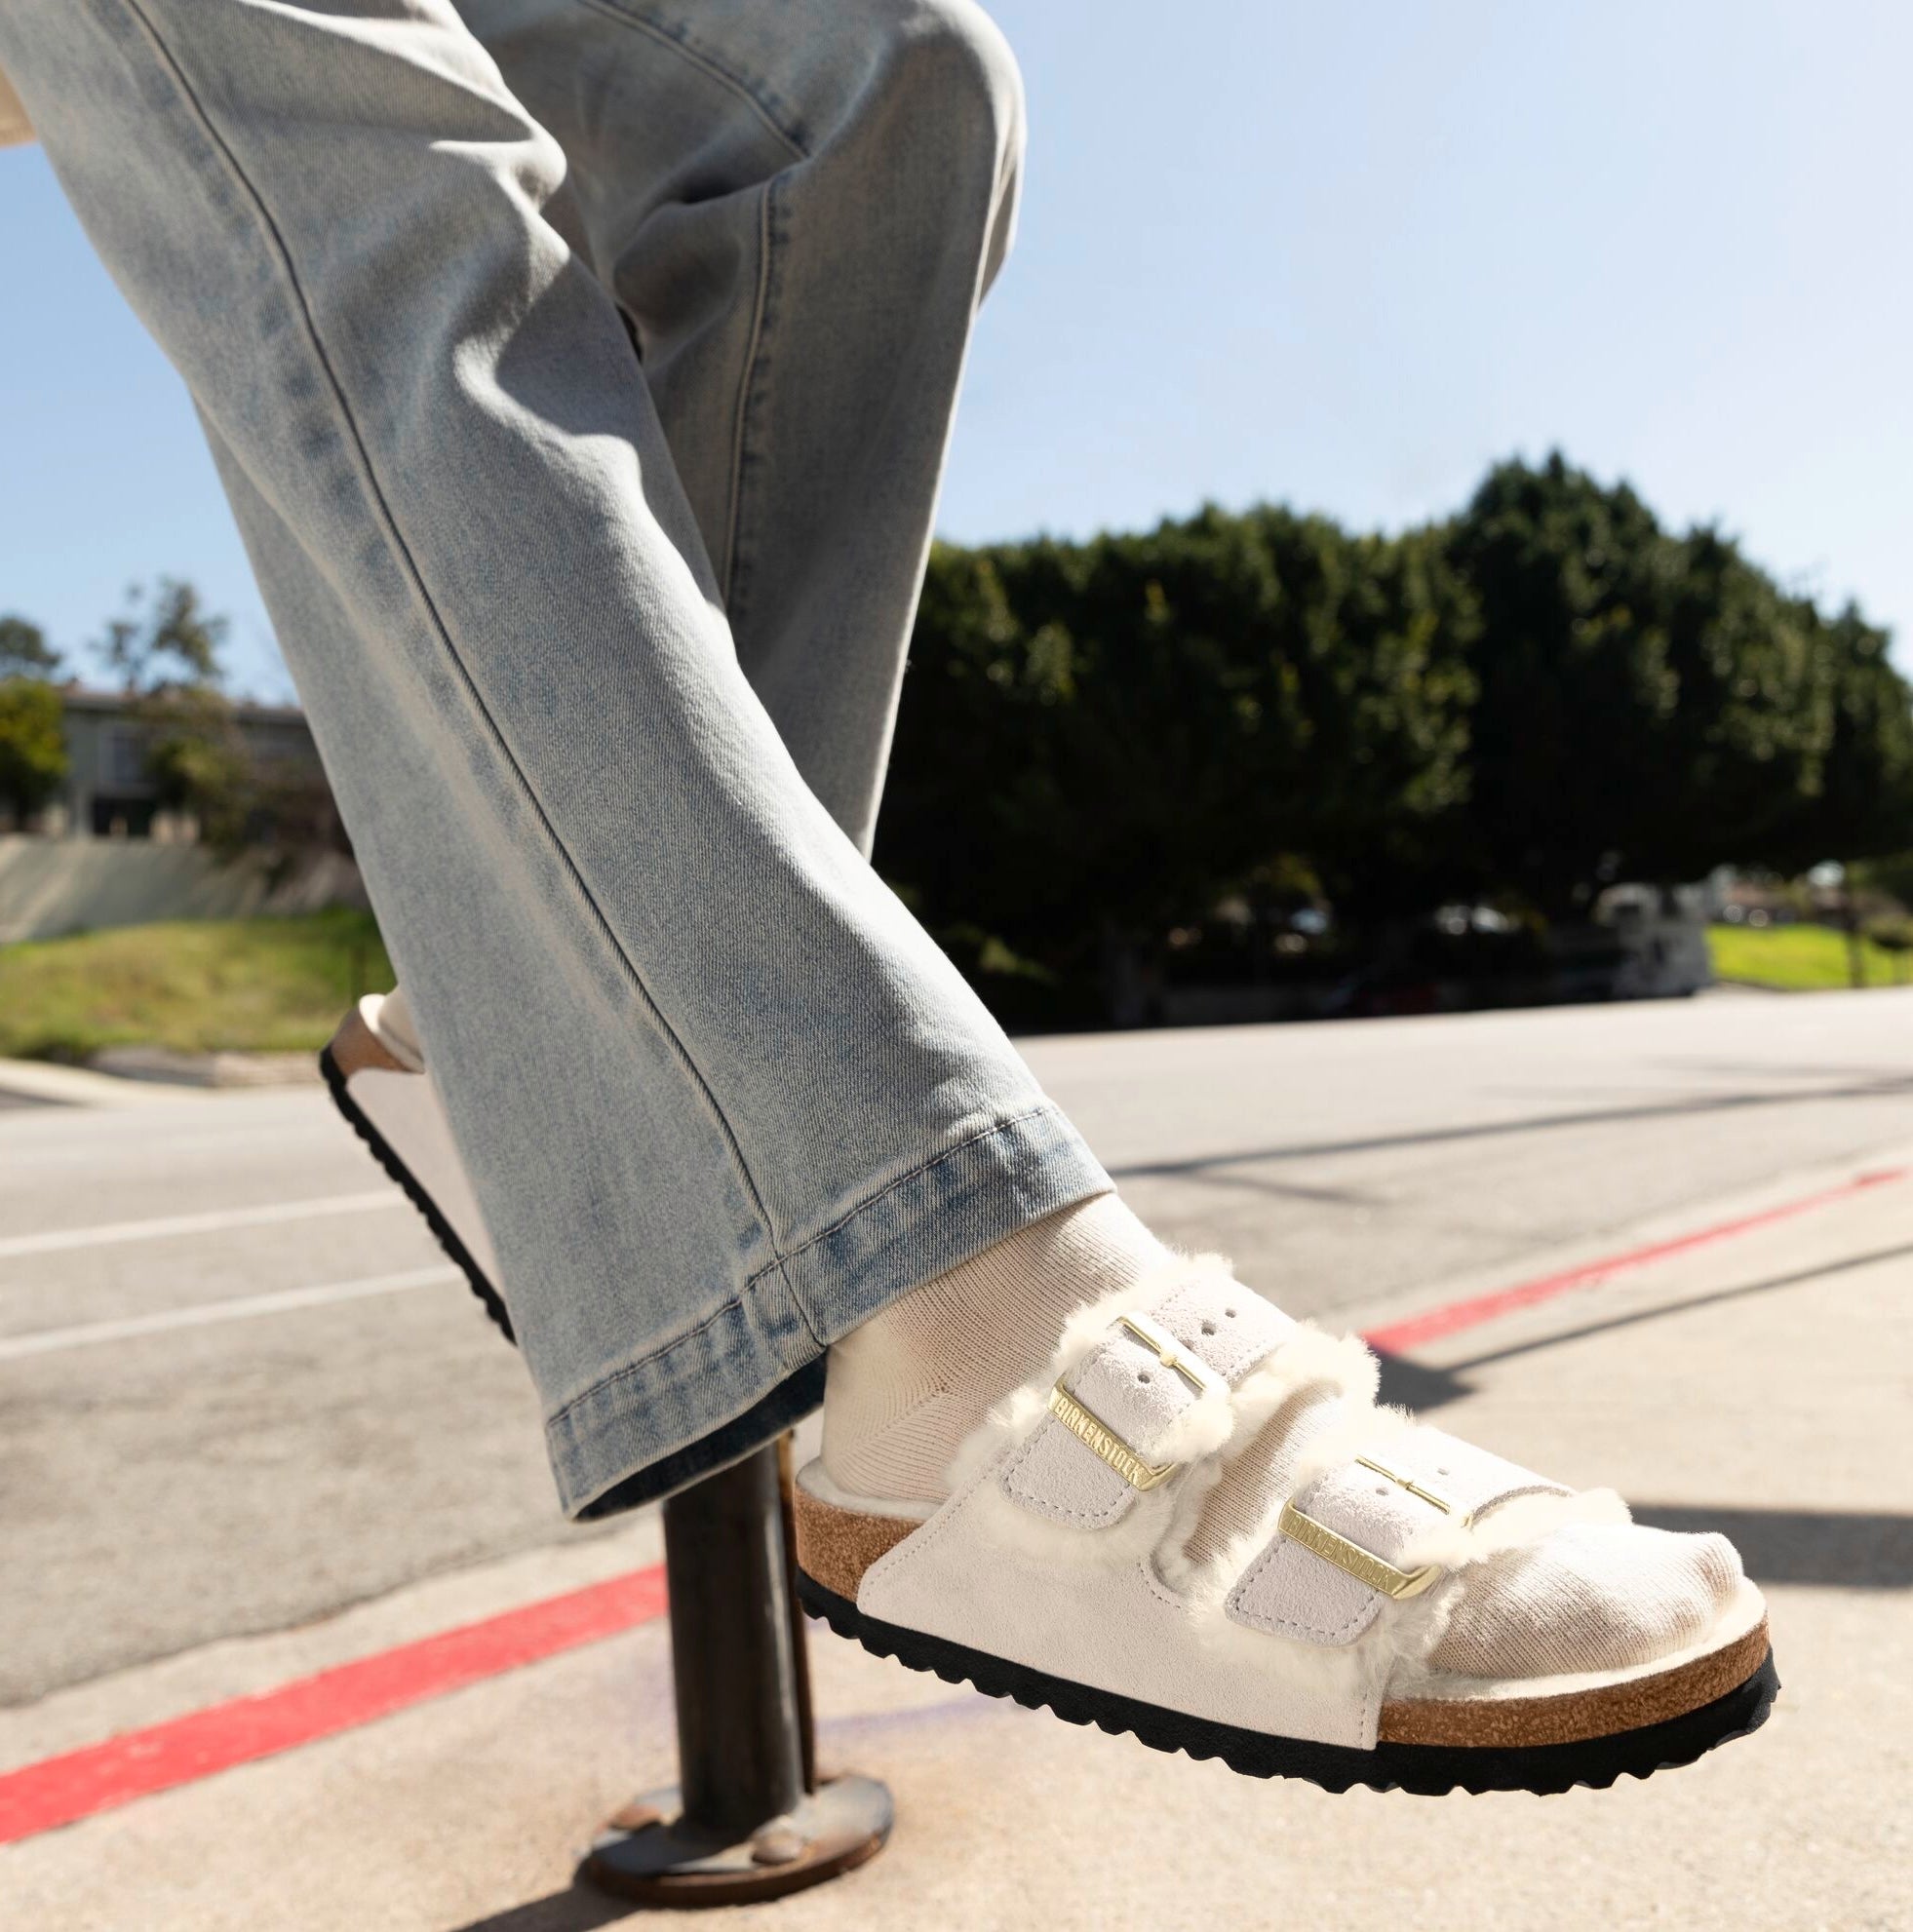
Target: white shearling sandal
1055	1573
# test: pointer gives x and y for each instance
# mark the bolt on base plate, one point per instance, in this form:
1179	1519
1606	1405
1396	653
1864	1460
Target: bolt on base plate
649	1853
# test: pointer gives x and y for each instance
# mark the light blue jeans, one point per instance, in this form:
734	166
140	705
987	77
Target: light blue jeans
603	659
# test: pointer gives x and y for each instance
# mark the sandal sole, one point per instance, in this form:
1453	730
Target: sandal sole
348	1053
1429	1770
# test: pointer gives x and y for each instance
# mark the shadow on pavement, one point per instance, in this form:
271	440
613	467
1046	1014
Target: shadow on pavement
1883	1088
1845	1548
1419	1385
576	1909
1409	1384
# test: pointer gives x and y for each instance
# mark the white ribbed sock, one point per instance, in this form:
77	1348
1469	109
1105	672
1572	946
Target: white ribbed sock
906	1389
1255	1478
1591	1597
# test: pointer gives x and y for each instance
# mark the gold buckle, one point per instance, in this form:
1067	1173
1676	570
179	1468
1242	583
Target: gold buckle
1364	1565
1093	1433
1096	1435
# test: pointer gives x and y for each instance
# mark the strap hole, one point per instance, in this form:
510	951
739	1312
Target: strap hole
1228	1314
1142	1375
1208	1328
1441	1469
1380	1489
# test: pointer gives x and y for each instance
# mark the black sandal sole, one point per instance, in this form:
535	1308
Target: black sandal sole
1428	1770
441	1229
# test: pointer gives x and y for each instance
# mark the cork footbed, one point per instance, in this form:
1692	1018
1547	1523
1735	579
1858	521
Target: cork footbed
1568	1717
837	1545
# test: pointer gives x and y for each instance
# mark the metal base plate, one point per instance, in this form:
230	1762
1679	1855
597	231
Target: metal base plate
649	1853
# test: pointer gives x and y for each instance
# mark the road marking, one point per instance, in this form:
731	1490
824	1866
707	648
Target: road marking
59	1791
240	1308
1394	1337
109	1233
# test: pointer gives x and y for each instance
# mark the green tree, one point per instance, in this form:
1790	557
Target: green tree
165	651
24	651
1373	648
198	762
1859	803
1892	875
1098	741
1101	741
165	640
1651	705
32	744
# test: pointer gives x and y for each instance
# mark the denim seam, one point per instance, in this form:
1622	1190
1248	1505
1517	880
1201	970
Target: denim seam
747	385
767	110
626	1370
902	1180
385	517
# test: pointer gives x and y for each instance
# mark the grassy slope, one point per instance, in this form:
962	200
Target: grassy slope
281	984
264	984
1800	959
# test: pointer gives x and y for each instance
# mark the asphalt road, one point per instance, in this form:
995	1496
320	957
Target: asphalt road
238	1390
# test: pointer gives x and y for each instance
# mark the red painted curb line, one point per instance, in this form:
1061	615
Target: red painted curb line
1394	1337
60	1791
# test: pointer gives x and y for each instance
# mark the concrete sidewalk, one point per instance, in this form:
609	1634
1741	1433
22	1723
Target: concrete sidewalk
1763	1383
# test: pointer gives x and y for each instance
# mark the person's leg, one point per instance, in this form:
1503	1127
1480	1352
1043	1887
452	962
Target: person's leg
838	235
908	1385
799	210
732	1098
504	374
800	206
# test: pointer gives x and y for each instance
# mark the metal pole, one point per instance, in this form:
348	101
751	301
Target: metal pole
733	1662
748	1819
801	1650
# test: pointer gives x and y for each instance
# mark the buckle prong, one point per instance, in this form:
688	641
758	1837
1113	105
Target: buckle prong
1166	1349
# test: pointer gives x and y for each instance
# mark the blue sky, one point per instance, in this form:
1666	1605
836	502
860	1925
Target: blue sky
1343	255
